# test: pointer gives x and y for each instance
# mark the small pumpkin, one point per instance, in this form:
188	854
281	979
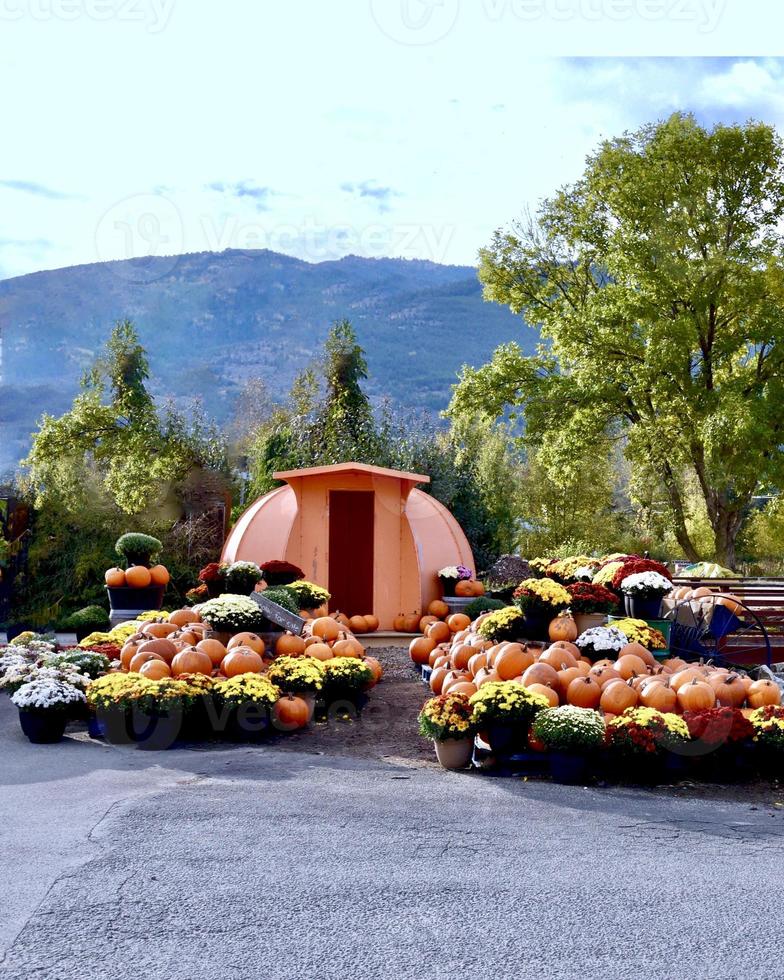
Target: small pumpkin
115	578
438	632
438	608
138	577
584	692
546	692
158	630
214	649
617	697
289	645
464	589
155	670
320	651
659	696
558	658
140	659
630	666
357	624
252	640
729	689
291	713
375	666
512	661
426	621
762	694
696	696
159	575
327	628
540	673
457	622
182	617
373	623
193	661
563	627
165	649
242	660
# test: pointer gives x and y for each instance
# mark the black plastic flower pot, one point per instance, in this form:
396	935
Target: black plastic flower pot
43	727
569	768
448	586
113	725
144	599
156	731
505	739
646	609
536	624
247	723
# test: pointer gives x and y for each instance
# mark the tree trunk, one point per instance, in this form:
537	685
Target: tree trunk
678	513
726	525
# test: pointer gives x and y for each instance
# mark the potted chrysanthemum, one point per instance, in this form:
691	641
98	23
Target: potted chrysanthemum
591	605
451	575
300	676
643	594
540	600
45	707
244	706
448	721
346	683
503	713
571	736
601	642
242	577
639	741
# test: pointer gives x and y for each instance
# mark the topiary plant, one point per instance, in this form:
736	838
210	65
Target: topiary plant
137	549
475	609
89	618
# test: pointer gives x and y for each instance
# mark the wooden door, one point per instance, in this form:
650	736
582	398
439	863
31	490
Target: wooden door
351	551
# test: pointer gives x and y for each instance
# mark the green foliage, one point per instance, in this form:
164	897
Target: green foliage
284	597
95	617
132	544
481	605
657	281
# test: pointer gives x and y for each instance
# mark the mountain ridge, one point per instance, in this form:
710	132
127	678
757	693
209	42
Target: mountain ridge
212	320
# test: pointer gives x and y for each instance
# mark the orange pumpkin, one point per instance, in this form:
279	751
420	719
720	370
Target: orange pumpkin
696	696
565	678
373	623
630	666
214	649
460	656
420	649
457	622
512	660
540	673
438	677
321	651
584	692
438	608
348	646
566	645
563	627
159	574
454	677
342	620
140	659
476	662
158	629
486	675
398	623
479	589
115	578
291	713
138	577
426	621
686	677
659	696
558	658
546	692
252	640
182	617
242	660
375	666
192	661
327	628
464	589
603	675
762	694
617	697
164	648
357	624
438	632
729	689
289	645
155	670
127	654
638	650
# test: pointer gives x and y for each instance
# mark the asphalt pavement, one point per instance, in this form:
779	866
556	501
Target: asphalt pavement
251	862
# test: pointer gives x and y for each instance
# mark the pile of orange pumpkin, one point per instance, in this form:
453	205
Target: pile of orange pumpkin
180	646
355	624
137	577
462	661
437	611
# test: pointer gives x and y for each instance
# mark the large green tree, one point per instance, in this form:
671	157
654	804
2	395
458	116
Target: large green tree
657	282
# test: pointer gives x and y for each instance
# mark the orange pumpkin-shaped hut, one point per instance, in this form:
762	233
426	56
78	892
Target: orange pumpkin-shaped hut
363	532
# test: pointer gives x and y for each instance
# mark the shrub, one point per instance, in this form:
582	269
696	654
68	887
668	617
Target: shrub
482	605
283	597
569	729
95	617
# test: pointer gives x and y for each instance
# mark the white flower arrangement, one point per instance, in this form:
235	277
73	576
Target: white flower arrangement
47	695
25	673
602	639
10	661
646	585
456	572
570	729
584	574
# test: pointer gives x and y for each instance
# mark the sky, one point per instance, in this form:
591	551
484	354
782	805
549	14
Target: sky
322	128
